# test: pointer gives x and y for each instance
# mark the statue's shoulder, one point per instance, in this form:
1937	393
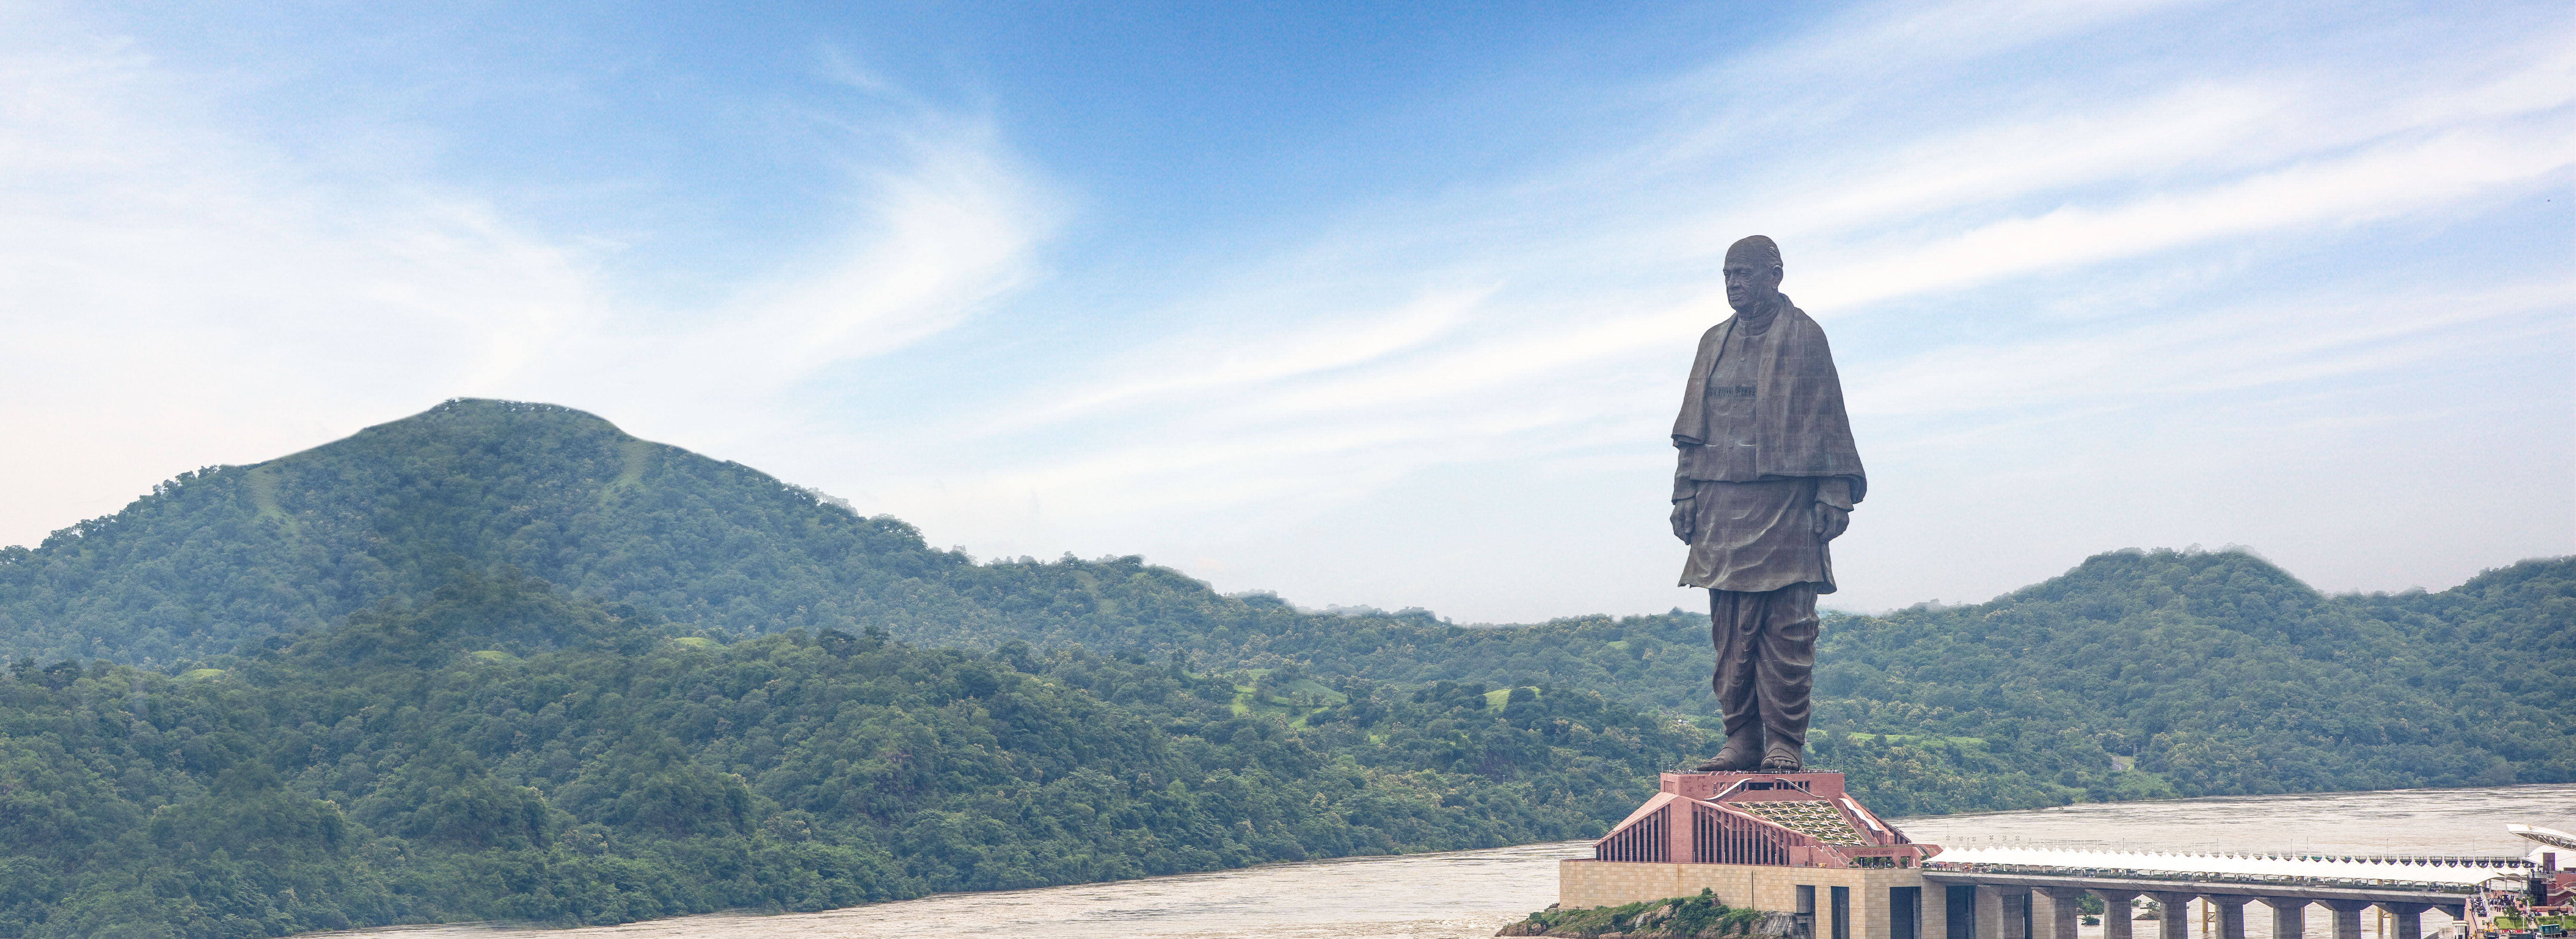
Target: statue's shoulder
1804	324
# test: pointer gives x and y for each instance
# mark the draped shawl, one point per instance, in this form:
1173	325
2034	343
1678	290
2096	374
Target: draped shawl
1798	421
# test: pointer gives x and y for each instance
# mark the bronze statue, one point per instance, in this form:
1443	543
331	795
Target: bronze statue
1768	476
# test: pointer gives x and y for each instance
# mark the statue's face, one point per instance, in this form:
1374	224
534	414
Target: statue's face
1749	286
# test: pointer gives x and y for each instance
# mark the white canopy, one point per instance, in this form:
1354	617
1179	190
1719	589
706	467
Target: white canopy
2462	872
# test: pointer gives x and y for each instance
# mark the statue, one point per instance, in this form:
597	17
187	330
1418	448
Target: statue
1768	476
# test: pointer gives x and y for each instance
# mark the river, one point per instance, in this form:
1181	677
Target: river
1463	894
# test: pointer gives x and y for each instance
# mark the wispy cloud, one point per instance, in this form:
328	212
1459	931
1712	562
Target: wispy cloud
941	236
155	242
2016	217
1600	274
2222	350
1201	365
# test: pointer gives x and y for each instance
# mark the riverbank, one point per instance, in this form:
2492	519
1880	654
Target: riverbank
1474	894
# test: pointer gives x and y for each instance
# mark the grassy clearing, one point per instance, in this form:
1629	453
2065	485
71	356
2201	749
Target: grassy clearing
262	484
1917	738
1292	702
634	457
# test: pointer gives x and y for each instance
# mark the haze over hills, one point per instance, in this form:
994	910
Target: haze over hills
503	660
2217	671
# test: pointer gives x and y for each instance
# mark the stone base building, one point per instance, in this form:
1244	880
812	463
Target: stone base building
1789	842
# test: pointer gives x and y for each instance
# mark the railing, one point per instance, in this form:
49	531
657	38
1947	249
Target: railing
1723	835
2126	873
1644	841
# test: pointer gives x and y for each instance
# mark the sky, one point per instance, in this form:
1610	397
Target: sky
1369	305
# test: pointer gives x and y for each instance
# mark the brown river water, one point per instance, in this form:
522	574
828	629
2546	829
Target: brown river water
1461	894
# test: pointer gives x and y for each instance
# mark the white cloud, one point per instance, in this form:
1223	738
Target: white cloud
1215	364
1561	374
2374	184
210	297
1456	400
2233	348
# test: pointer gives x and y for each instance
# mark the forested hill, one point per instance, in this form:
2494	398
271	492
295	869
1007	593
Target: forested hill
504	751
234	553
2214	672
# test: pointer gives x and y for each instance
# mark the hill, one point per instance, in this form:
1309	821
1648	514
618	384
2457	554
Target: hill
231	554
502	750
2199	672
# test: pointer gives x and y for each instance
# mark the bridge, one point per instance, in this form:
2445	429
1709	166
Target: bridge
2035	893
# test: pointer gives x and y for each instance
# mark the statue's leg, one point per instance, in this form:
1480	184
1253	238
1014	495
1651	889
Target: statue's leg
1784	660
1734	618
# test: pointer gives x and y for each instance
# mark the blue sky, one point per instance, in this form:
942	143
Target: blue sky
1367	305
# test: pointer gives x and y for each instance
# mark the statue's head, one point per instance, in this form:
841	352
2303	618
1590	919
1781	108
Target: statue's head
1752	273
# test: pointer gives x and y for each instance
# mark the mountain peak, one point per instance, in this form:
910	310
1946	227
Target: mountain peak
474	421
238	554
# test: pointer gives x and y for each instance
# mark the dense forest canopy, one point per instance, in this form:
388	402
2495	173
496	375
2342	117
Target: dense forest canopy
2216	671
503	660
503	750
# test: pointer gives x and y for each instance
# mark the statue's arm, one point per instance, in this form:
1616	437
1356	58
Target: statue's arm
1684	520
1833	506
1834	491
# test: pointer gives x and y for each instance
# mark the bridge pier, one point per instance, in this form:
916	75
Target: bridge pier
2347	917
2231	914
2175	921
2002	911
2289	917
2116	912
2409	919
2056	912
1999	895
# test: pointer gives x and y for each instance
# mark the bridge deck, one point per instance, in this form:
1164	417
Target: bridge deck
2444	896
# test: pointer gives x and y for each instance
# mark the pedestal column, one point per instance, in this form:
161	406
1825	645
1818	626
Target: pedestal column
2289	917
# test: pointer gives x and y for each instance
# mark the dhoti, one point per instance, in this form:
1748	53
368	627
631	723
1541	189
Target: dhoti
1766	659
1757	536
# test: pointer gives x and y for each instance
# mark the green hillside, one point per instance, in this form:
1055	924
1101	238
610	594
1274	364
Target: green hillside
2209	672
231	554
501	660
505	751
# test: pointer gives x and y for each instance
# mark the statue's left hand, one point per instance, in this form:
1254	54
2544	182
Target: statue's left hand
1831	521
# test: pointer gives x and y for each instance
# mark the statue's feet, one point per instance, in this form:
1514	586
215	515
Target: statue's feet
1782	760
1735	757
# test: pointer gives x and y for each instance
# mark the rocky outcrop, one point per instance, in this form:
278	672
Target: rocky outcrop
1700	917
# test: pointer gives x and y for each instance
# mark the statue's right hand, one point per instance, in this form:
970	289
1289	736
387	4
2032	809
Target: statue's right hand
1682	520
